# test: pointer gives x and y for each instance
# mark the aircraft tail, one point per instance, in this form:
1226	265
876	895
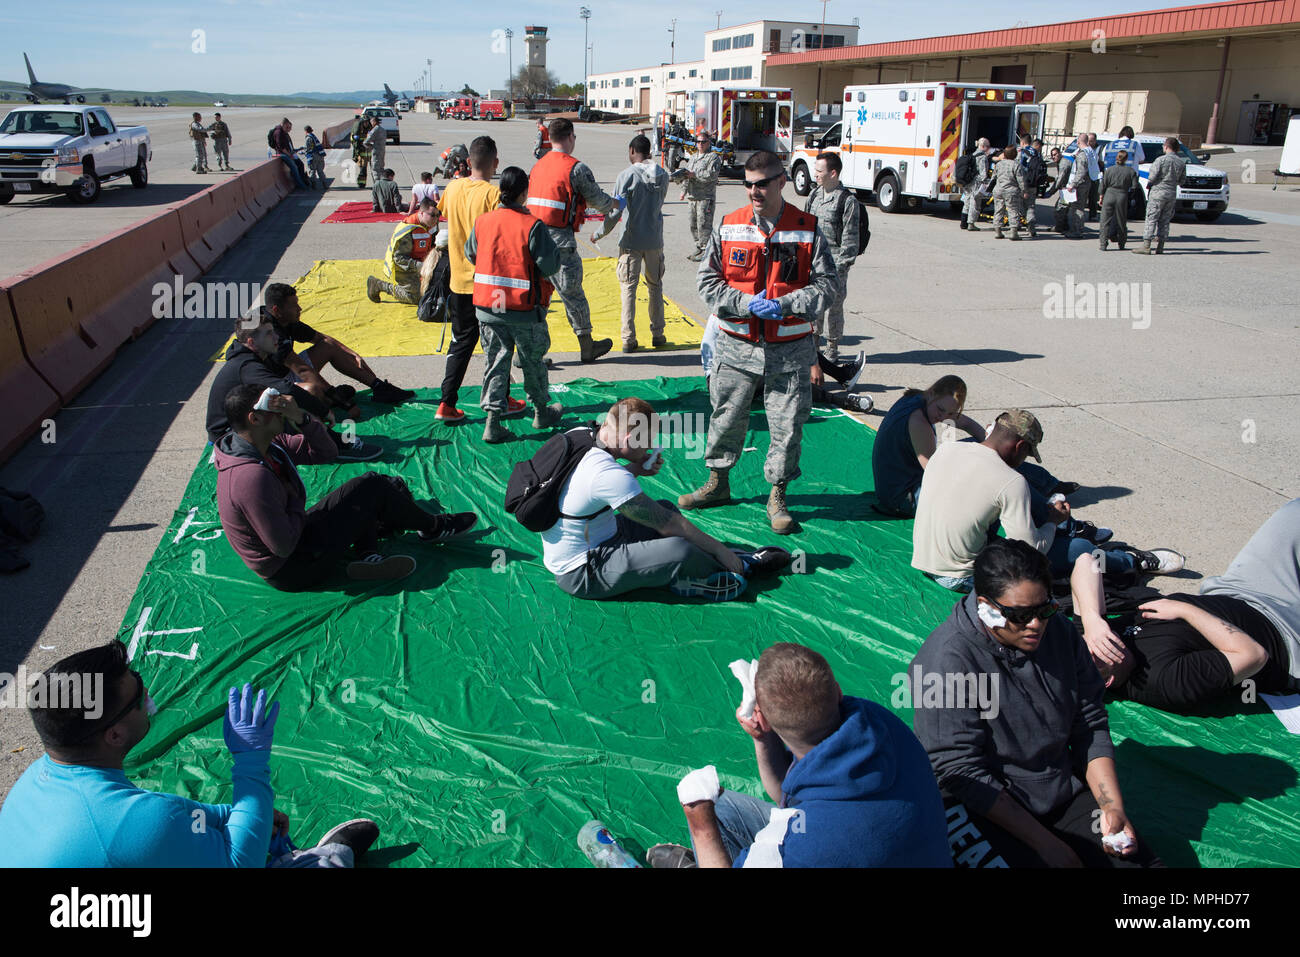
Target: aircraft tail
31	75
388	91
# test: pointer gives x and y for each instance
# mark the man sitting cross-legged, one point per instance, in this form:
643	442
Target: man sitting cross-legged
613	537
281	301
263	510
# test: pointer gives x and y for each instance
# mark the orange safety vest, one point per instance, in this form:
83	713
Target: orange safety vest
545	146
505	275
421	241
550	191
774	266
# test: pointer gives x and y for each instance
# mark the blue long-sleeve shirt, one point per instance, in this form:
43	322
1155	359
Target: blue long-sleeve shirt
61	815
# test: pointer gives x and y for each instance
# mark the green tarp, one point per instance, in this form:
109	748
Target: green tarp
481	716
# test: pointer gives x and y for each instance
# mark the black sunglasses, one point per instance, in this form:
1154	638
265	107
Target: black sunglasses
136	701
1023	615
762	183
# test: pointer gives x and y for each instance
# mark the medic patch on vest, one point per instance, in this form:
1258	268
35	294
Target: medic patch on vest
740	256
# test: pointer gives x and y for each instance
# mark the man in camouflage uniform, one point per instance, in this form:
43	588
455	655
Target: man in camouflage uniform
838	217
975	191
1008	193
376	143
700	186
568	281
1072	173
220	141
1167	173
199	134
401	263
784	368
360	157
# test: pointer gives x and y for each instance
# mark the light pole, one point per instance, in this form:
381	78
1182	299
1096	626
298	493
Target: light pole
428	69
672	46
585	13
510	62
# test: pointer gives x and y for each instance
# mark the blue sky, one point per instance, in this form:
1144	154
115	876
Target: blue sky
286	46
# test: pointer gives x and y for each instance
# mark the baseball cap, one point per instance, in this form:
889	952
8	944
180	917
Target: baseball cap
1025	425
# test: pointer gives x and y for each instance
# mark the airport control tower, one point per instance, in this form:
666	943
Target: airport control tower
535	41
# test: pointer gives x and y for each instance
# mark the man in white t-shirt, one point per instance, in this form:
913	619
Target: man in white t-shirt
424	189
970	488
615	538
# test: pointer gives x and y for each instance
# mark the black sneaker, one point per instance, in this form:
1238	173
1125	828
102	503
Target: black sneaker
449	526
358	834
859	364
344	396
1064	488
378	567
384	391
670	855
766	561
357	451
1098	535
1158	561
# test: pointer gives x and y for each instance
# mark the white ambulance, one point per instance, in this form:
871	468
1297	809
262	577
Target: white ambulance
748	118
900	140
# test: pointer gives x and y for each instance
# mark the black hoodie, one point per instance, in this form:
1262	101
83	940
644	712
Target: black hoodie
243	366
1035	742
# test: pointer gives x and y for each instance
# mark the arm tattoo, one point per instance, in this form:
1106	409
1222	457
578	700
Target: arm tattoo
646	511
1105	800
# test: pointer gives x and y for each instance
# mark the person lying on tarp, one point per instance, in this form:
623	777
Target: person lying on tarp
852	785
613	538
263	503
1240	636
1008	705
281	301
74	807
256	358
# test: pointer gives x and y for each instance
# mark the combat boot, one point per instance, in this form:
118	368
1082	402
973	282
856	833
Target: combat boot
963	222
494	431
592	350
372	288
1145	248
1033	231
997	232
1160	245
1015	236
778	515
972	227
716	491
547	416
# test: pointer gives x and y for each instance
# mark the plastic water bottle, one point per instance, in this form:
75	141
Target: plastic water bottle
601	849
860	403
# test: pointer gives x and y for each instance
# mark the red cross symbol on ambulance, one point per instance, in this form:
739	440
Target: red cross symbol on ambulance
910	115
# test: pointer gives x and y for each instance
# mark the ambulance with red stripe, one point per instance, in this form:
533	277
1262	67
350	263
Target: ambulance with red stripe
749	118
901	141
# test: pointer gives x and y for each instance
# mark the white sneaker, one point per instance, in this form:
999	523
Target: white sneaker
1160	561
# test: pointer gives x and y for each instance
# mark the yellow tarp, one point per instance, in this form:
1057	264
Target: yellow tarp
333	300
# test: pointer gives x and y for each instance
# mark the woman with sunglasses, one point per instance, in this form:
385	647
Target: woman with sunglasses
1009	759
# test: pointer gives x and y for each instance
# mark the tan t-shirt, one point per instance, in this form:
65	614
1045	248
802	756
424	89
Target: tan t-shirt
464	201
966	489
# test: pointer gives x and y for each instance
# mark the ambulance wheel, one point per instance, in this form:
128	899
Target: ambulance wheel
888	198
802	181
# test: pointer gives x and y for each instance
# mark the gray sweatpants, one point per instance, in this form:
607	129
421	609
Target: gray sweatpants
636	557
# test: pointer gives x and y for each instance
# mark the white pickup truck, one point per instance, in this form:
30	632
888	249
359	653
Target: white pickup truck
70	149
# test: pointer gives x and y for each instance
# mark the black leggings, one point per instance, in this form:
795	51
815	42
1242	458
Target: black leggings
356	514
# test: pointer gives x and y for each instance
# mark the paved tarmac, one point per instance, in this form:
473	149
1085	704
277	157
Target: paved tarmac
1181	428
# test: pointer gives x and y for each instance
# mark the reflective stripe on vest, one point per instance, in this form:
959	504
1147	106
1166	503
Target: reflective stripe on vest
421	242
751	265
551	196
505	277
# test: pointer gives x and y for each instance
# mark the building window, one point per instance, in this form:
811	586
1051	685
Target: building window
813	41
627	104
721	73
742	72
672	74
613	82
645	79
722	43
741	43
692	73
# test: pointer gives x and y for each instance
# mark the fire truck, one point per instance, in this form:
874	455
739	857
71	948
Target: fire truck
462	108
745	120
491	109
901	141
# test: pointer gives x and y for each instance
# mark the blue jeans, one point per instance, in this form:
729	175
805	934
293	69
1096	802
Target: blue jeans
740	818
1065	551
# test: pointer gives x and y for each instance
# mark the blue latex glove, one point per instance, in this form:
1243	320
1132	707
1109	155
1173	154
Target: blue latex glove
249	726
766	308
622	202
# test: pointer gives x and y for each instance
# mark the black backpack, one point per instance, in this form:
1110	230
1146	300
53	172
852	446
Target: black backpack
533	492
864	222
1035	171
436	299
965	171
270	137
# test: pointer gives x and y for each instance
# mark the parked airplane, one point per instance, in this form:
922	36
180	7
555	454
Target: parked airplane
38	91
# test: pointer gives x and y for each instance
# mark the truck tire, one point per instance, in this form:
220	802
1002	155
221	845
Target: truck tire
140	174
888	197
397	138
86	189
6	195
802	181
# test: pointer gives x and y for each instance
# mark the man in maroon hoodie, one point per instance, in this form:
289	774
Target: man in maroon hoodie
262	500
